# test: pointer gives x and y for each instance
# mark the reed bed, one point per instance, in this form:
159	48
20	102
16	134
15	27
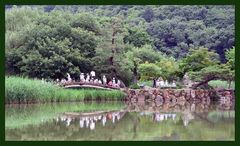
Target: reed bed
24	90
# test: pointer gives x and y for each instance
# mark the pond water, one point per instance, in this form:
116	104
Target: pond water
119	121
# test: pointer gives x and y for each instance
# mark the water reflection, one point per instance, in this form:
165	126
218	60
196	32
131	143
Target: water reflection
136	121
185	113
158	117
89	120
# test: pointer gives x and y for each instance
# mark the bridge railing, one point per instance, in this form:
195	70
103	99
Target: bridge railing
89	84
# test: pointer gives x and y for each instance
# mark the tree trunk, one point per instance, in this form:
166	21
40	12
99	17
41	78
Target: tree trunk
111	59
203	82
229	84
135	79
135	75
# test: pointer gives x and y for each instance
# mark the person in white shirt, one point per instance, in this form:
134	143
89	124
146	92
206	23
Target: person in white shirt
82	77
104	80
162	84
158	83
92	73
166	83
114	82
87	78
69	77
174	84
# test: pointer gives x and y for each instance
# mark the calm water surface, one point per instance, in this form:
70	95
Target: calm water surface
119	121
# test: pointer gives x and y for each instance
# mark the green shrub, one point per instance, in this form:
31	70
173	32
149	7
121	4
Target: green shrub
146	83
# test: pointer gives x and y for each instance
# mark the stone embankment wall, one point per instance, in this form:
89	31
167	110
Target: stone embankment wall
179	95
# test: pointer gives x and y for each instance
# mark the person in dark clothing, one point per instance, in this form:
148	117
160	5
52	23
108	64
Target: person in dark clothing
154	83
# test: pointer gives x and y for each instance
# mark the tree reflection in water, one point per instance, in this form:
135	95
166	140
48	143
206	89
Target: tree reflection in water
187	115
136	121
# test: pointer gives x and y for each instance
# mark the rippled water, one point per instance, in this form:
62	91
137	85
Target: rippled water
120	121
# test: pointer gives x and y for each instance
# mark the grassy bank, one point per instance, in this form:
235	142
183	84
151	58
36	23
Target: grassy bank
221	84
23	90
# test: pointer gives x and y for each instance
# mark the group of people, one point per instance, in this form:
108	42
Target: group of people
160	83
91	78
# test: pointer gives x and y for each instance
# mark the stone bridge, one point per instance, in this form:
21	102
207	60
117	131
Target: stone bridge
89	85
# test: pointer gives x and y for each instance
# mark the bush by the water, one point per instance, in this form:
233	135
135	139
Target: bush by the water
134	86
146	83
24	90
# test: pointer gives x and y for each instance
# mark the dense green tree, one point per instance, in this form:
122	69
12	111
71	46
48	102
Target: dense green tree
86	21
49	41
230	65
137	36
148	14
177	28
198	59
17	22
109	59
52	48
212	70
230	54
137	56
149	71
169	67
209	73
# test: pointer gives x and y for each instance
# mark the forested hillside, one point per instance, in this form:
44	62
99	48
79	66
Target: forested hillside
127	42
